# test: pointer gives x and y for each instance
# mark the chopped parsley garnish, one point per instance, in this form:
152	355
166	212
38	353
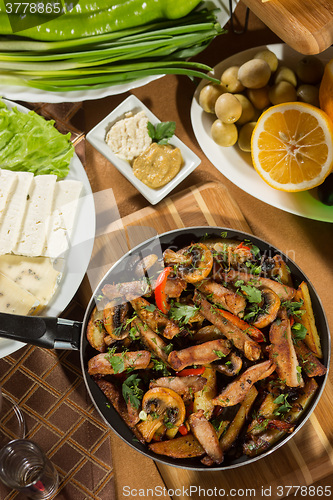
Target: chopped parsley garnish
182	312
252	293
293	308
220	354
299	331
116	360
160	366
150	308
131	391
284	405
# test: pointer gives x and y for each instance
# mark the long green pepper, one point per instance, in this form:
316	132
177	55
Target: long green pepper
110	16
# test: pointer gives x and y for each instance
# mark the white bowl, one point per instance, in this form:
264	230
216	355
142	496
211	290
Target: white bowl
97	135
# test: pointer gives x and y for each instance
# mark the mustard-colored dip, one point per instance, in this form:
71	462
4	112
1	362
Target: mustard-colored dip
157	165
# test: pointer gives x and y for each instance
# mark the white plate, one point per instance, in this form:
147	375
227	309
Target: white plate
97	138
18	93
78	256
237	166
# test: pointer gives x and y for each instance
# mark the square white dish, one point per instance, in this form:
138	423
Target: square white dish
97	135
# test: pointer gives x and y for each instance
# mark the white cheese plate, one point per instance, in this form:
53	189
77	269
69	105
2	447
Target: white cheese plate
79	253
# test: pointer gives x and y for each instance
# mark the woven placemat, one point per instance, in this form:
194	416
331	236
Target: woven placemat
49	388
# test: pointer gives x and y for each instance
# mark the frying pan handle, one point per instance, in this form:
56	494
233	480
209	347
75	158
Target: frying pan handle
52	333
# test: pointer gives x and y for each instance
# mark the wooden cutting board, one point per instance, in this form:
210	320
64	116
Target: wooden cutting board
305	25
308	457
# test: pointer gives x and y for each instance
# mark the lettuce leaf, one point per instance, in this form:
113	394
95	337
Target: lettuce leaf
30	143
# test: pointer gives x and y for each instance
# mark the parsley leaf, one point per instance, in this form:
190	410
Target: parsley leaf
284	405
160	366
299	331
252	293
116	360
161	132
182	312
150	308
131	391
220	354
293	308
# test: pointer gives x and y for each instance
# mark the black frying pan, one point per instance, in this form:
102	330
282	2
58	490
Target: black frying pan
61	333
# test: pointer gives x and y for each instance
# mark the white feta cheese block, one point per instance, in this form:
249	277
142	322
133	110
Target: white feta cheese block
14	299
32	236
61	221
13	213
39	276
8	181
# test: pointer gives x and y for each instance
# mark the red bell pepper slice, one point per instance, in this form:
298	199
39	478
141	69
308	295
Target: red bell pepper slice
253	332
183	430
241	245
191	371
160	295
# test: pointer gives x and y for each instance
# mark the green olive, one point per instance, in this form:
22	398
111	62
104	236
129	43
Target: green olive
224	134
245	135
248	110
228	108
285	74
230	80
254	74
282	92
208	96
259	97
268	56
308	93
310	69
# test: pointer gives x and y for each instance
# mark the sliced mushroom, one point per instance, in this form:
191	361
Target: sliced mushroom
207	333
232	252
161	405
269	309
232	365
195	261
114	319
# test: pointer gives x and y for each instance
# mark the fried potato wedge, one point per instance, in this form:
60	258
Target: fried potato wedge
203	400
96	332
182	447
231	434
307	319
257	444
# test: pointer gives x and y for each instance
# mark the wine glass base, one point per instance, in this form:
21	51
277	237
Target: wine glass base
12	422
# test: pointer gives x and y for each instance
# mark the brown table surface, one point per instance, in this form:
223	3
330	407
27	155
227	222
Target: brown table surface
74	437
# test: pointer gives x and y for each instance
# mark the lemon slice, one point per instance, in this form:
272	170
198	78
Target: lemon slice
292	146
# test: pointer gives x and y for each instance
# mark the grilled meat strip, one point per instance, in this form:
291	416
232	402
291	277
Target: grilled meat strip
240	339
